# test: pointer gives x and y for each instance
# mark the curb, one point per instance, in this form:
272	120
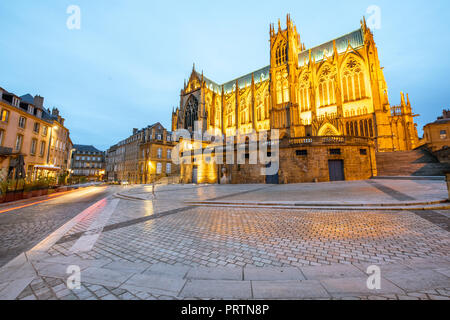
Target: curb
338	208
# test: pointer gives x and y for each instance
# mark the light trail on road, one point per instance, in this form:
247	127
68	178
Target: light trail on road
53	197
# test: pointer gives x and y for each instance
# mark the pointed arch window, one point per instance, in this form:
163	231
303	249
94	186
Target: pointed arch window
326	86
281	54
285	91
353	81
191	113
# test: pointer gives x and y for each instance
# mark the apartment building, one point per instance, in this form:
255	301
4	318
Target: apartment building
142	157
31	135
88	162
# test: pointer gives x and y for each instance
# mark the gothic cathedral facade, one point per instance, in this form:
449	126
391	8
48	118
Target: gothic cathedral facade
334	89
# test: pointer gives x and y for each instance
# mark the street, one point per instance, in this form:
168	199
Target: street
23	228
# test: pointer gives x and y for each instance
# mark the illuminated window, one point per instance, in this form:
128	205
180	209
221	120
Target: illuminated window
281	54
279	93
158	168
286	91
5	116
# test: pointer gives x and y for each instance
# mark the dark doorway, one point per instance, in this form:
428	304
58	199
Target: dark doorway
273	179
194	174
336	168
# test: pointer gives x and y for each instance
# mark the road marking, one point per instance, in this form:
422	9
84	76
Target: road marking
48	242
90	237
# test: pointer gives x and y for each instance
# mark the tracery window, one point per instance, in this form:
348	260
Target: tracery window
353	83
303	96
218	113
259	107
281	53
326	86
191	113
282	88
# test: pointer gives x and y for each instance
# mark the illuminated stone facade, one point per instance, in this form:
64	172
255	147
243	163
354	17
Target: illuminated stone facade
335	89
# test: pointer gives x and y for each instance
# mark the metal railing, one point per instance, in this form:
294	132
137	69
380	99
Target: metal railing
330	140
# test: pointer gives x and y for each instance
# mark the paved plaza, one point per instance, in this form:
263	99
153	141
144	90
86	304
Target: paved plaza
305	241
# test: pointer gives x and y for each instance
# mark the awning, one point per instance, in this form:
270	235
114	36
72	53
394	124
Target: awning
49	168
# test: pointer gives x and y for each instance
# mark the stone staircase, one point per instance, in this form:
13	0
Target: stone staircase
418	162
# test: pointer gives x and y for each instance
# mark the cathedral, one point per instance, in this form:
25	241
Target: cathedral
336	89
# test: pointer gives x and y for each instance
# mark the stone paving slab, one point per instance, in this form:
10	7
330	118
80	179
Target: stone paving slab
10	290
217	289
218	273
127	266
357	286
419	280
288	289
176	271
385	268
102	276
445	272
333	271
273	273
10	273
153	283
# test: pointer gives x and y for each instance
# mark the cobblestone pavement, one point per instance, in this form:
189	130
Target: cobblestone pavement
21	229
131	248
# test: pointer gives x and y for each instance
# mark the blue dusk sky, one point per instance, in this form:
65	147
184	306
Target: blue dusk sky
126	65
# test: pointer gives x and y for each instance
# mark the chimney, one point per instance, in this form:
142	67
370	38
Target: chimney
55	112
39	102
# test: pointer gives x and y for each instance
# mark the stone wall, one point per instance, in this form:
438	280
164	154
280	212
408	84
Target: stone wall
297	165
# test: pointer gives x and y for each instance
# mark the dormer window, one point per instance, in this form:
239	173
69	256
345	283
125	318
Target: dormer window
30	109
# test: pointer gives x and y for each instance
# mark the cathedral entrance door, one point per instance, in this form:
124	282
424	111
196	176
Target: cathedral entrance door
194	175
336	168
271	179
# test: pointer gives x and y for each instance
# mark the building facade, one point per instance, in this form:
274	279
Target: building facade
437	134
142	157
88	163
33	133
336	89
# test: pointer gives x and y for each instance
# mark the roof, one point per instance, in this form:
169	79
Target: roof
85	148
28	98
355	38
439	121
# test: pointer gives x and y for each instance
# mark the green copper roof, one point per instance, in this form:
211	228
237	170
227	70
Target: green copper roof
260	75
355	38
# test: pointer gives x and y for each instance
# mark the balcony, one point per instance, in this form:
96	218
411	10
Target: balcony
5	151
330	140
